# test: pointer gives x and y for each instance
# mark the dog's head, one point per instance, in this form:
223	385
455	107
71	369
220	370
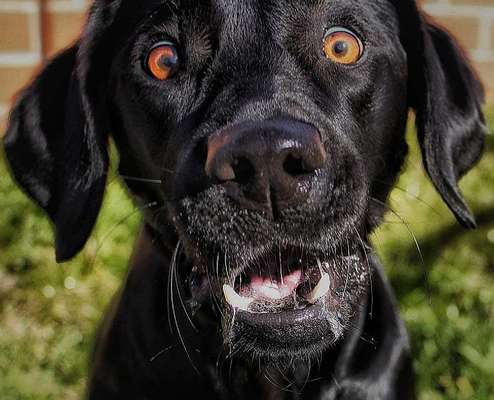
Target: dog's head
276	129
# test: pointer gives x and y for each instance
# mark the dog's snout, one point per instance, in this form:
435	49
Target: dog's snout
268	161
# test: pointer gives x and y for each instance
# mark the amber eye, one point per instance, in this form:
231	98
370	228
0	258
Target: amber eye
342	46
162	61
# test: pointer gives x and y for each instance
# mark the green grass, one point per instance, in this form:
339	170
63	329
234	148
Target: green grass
48	312
447	296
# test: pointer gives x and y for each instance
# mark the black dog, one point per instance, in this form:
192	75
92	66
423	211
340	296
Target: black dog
276	129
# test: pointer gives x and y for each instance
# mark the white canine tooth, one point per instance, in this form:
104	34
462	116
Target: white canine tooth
235	300
321	289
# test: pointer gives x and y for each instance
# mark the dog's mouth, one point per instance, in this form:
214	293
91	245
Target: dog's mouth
282	306
289	285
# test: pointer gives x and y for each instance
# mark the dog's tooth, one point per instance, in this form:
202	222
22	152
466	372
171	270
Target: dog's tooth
321	289
235	300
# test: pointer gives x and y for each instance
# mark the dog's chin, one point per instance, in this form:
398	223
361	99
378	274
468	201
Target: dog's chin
284	336
285	308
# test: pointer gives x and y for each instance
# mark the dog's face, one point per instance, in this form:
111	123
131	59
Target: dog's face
276	130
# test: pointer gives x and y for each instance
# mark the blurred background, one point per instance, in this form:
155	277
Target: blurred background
48	312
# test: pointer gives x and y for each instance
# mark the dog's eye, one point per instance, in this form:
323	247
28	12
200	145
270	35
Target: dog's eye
163	61
342	46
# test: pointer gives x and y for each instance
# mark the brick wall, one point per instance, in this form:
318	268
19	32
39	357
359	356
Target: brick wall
472	22
26	35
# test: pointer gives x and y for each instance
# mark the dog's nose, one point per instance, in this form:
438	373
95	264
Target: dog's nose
271	163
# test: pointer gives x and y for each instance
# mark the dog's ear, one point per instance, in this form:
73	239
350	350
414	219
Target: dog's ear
55	153
447	98
57	138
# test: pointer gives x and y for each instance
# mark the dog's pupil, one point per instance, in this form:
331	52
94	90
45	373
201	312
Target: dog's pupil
168	61
340	48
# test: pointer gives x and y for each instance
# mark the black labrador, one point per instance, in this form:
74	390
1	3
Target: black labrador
261	139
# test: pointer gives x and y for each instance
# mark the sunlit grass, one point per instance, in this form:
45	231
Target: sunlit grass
446	296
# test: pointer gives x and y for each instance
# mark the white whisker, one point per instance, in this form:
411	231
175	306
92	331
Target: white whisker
143	180
174	312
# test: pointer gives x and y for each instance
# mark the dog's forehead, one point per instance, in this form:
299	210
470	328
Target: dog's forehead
240	14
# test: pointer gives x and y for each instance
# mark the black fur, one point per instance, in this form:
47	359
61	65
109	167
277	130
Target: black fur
246	67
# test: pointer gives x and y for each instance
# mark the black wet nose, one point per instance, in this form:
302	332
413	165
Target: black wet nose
271	163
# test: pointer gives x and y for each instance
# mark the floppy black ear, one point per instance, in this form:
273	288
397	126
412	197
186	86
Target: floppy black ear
447	98
56	155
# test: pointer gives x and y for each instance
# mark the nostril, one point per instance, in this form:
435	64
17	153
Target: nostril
296	166
243	169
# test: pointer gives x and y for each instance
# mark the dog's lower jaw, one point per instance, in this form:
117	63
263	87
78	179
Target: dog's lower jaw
282	338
